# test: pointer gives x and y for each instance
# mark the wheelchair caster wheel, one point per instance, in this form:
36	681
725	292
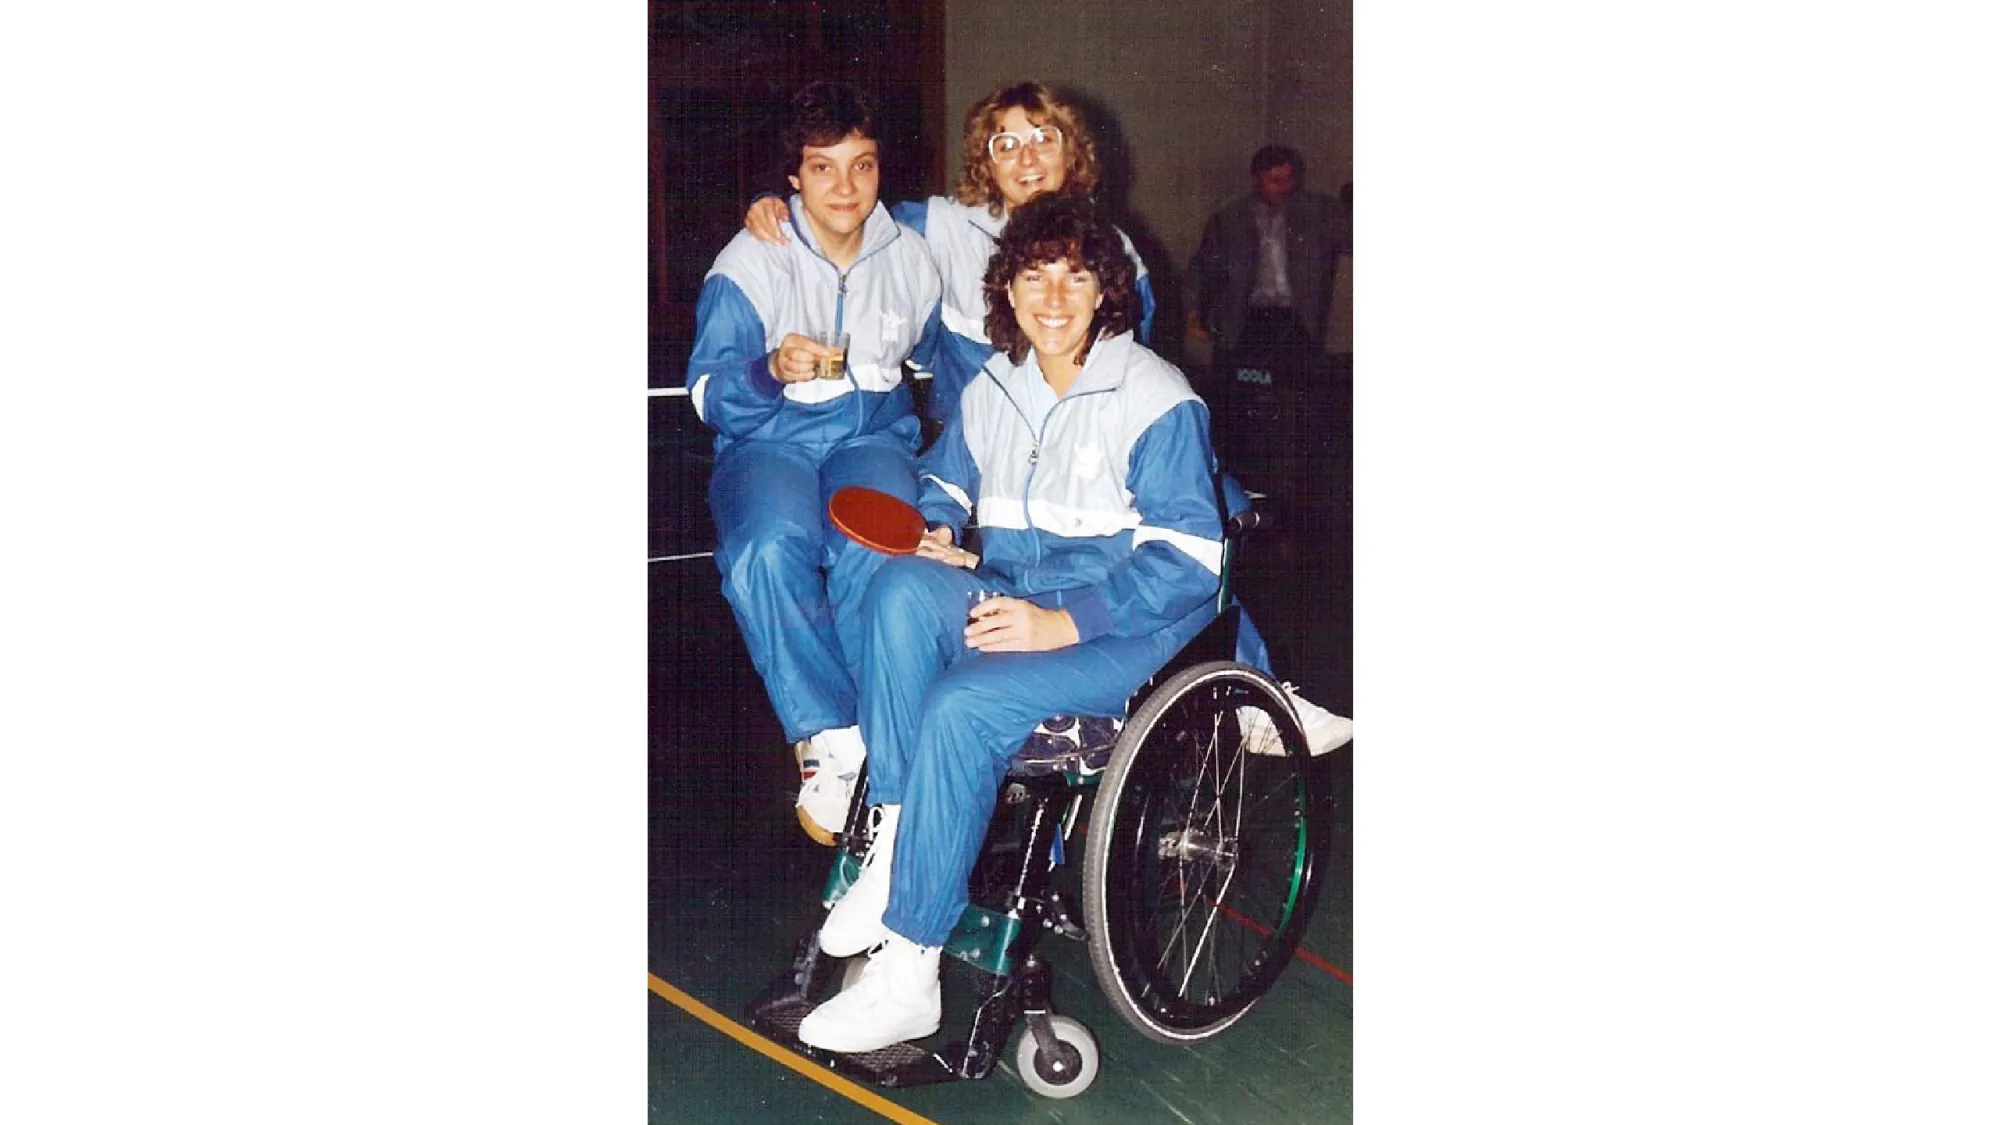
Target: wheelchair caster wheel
1064	1073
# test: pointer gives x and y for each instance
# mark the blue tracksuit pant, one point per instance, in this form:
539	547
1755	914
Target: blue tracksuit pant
942	720
793	580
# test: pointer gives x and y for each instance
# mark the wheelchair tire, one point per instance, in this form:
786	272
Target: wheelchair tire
1065	1076
1202	862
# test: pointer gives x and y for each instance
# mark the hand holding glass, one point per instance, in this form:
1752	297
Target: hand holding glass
834	364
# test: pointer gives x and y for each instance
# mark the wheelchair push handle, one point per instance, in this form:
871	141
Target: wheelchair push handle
1243	523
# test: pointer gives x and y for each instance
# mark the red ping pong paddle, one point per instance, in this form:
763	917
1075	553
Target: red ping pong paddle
876	520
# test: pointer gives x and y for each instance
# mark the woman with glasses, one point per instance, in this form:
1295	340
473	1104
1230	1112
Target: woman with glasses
1021	141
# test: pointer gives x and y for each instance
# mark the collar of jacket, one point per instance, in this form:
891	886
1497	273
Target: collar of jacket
878	231
990	224
1103	369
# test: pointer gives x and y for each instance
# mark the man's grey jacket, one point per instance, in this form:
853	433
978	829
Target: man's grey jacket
1318	228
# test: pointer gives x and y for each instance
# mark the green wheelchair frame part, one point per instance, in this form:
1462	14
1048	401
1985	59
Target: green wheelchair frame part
982	938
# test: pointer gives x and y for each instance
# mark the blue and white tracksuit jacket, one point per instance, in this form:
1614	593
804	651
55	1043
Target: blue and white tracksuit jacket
1106	508
781	449
961	238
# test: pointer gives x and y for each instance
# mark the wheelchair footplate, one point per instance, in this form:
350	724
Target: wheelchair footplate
783	1006
1010	984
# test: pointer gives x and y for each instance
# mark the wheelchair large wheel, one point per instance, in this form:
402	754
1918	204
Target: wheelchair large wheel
1202	861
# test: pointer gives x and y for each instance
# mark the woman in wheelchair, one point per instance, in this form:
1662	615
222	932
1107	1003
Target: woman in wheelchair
1086	459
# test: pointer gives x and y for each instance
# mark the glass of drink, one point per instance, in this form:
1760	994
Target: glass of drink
833	366
973	600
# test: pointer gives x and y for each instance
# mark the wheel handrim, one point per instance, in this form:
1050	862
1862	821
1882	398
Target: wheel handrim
1216	843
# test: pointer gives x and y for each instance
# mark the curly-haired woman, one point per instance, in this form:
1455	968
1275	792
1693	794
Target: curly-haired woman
1086	459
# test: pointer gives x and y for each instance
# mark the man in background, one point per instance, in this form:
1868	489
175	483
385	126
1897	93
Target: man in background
1258	289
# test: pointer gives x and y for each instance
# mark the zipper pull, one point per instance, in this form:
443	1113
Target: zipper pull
843	285
1035	454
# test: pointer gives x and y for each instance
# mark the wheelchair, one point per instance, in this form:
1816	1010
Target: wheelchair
1201	864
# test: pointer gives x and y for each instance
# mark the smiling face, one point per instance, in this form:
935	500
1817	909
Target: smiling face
1027	173
1055	303
838	184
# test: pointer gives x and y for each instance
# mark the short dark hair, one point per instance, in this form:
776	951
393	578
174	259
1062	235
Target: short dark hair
826	113
1058	227
1277	156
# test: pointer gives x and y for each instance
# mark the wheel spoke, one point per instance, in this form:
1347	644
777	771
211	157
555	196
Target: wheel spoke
1206	843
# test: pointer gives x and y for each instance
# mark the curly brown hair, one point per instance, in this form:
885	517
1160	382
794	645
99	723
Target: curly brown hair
976	184
1069	229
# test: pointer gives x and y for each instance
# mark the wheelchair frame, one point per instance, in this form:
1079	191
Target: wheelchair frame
1132	787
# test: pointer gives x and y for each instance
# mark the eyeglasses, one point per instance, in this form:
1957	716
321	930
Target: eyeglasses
1005	148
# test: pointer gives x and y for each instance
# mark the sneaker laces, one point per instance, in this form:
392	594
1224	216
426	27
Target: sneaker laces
868	987
876	815
875	818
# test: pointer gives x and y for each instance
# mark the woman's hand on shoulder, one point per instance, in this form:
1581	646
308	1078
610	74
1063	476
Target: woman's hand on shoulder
765	220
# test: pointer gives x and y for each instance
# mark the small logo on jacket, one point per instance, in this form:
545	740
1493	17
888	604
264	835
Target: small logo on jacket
892	327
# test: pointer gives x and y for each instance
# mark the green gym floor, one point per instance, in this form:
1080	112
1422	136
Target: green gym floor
734	883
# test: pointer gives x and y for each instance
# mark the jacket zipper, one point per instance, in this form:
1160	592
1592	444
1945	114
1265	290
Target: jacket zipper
1035	459
840	313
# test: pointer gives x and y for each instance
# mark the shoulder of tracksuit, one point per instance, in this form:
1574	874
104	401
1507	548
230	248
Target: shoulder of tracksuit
1169	472
912	213
910	254
947	480
907	251
754	269
960	242
1142	283
730	324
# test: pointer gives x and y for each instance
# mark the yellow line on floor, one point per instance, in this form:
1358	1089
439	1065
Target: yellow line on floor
854	1092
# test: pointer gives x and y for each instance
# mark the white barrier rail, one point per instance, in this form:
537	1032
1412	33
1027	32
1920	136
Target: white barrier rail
681	392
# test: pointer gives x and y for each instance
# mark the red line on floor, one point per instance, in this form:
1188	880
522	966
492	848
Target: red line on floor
1304	954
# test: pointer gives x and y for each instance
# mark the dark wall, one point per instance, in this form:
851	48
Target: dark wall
722	75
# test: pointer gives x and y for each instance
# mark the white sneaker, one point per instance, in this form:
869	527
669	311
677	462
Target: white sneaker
1324	730
855	922
897	999
829	763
